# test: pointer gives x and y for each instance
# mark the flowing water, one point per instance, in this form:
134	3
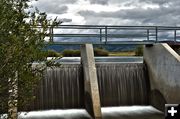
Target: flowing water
61	88
121	83
132	112
77	60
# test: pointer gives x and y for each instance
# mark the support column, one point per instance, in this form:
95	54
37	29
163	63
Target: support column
92	98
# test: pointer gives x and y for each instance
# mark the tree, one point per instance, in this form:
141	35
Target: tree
21	43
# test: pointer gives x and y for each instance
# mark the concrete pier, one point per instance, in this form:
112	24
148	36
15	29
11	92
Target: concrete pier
92	98
164	72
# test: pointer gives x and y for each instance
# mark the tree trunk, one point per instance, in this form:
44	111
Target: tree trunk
13	95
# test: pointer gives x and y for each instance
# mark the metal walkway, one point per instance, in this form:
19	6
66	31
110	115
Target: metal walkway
106	34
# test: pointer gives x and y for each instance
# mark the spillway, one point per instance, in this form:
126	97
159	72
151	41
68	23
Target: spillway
61	88
123	84
120	84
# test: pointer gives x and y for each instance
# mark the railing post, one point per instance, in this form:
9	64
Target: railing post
148	34
175	35
100	35
156	34
105	34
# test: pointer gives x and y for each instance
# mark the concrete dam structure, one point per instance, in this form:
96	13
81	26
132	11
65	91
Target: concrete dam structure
131	89
155	82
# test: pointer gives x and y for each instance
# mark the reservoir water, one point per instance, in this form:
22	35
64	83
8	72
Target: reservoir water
76	60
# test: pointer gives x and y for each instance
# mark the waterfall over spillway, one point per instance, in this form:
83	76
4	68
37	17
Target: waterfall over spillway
119	84
61	88
123	84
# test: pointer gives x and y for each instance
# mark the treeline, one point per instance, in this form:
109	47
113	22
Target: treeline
75	53
97	52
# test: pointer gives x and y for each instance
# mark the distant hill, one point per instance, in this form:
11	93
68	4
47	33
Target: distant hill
113	48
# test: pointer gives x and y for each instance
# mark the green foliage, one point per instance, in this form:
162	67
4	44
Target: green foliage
77	53
100	52
52	53
71	53
139	51
21	43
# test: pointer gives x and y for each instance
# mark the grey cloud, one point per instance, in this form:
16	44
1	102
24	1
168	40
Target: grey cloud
166	14
54	6
125	14
57	2
66	20
158	16
160	2
65	1
89	13
103	2
53	9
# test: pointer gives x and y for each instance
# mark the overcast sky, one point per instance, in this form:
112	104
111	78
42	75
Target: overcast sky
113	12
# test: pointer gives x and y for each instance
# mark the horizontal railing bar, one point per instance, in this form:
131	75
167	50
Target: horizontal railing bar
108	42
118	28
103	26
102	35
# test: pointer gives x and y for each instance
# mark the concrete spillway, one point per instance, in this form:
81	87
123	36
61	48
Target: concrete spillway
123	84
63	87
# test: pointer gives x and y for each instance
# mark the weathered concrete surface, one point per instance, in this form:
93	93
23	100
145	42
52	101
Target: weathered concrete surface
92	98
164	72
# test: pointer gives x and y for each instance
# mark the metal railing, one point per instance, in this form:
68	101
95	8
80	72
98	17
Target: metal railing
106	34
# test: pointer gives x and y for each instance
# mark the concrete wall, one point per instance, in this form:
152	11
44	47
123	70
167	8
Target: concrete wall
164	72
92	98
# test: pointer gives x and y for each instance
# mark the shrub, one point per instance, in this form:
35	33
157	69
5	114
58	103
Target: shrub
100	52
52	53
77	53
139	51
71	53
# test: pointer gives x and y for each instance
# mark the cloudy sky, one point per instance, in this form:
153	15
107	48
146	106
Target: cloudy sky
113	12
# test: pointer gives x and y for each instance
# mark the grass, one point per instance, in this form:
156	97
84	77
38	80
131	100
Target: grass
122	53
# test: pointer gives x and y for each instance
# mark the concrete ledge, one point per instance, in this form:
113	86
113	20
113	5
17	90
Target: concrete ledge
92	98
164	73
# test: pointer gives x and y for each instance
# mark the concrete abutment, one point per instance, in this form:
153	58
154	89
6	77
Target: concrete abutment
163	65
